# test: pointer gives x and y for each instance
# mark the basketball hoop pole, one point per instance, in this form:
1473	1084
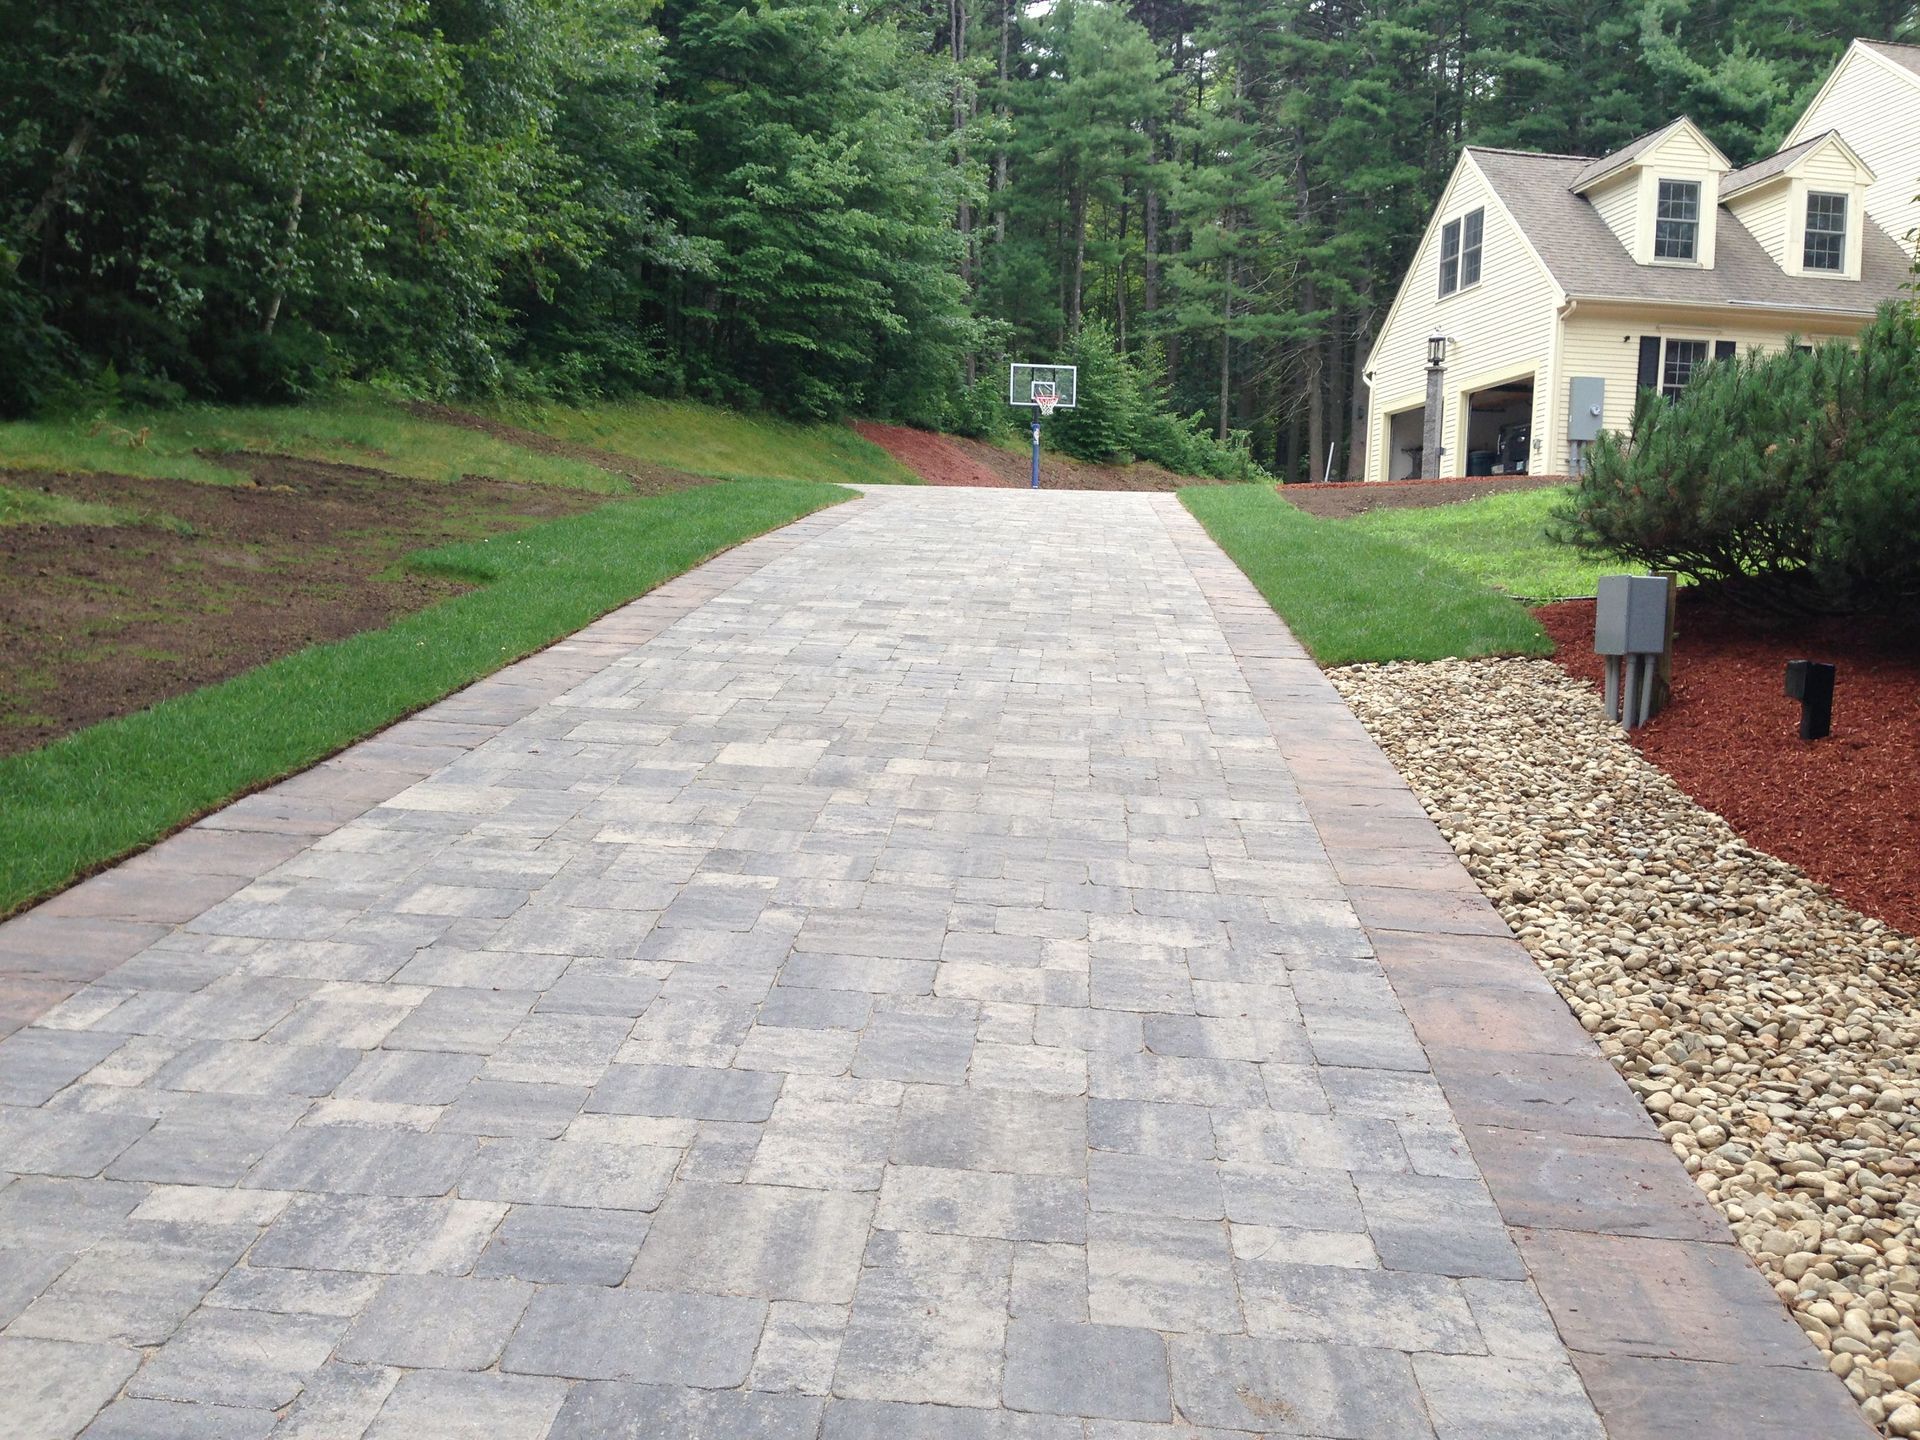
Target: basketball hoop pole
1036	454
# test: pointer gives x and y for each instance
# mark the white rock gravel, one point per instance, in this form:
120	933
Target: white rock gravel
1771	1030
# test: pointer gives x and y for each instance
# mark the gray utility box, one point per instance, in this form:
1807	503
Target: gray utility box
1630	629
1630	616
1586	406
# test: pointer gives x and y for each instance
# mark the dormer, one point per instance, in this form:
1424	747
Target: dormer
1660	195
1807	206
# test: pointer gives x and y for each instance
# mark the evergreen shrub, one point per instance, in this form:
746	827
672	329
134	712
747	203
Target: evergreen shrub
1794	476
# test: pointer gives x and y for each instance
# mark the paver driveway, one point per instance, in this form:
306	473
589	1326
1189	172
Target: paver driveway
883	986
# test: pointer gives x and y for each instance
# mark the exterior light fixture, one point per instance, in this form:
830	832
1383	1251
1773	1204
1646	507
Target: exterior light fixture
1811	683
1436	350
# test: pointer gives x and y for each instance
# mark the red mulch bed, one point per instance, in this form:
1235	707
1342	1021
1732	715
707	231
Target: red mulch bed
1845	809
956	460
1342	500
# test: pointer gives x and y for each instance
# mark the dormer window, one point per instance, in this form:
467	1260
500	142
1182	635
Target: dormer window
1826	247
1676	223
1460	246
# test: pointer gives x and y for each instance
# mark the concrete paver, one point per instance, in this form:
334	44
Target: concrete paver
952	968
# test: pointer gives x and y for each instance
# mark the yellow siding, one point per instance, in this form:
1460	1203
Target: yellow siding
1618	202
1764	213
1500	329
1876	109
1606	342
1829	169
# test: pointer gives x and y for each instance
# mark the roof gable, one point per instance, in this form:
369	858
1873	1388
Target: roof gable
1899	60
1645	149
1587	261
1783	163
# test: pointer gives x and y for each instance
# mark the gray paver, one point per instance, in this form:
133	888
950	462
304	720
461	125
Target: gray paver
589	1333
902	969
438	1322
50	1389
1099	1371
451	1405
561	1245
643	1412
766	1240
236	1357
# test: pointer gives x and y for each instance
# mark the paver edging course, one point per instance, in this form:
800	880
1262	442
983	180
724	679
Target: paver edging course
1644	1316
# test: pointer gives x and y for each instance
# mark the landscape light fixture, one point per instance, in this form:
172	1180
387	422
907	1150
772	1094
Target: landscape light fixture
1811	683
1437	350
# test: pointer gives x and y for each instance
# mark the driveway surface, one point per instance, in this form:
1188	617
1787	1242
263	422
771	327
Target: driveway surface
950	969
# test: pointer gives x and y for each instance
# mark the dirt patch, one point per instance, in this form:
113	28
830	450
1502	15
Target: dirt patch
1846	809
98	621
955	460
642	476
1341	502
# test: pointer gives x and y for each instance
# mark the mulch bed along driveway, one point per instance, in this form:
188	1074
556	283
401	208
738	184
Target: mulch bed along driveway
1341	502
98	621
1845	809
956	460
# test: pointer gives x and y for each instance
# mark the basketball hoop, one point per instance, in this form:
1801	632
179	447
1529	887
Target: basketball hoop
1046	404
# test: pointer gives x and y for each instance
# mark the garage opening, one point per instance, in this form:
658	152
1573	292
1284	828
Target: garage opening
1404	435
1500	428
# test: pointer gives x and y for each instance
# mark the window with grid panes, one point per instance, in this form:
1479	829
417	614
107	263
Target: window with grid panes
1676	220
1826	245
1682	358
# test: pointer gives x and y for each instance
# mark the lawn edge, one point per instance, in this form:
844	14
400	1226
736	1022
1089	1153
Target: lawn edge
833	495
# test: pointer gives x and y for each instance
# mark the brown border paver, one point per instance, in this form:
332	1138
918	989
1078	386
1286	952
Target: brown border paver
1671	1336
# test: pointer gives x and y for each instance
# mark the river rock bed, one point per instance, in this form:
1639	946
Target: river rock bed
1770	1030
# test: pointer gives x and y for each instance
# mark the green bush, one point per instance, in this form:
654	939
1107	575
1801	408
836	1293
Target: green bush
1794	475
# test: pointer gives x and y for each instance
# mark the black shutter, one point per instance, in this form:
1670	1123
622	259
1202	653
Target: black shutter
1722	350
1649	362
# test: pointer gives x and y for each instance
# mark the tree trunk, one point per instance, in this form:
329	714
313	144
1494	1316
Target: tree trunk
1120	281
1336	373
1079	258
303	144
1226	353
68	165
1000	156
1316	418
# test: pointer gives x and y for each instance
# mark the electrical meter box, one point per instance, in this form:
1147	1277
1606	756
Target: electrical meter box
1630	616
1586	406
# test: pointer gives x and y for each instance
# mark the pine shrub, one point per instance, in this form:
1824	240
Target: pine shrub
1794	476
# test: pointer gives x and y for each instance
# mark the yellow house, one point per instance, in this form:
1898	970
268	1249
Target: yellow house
1549	290
1873	98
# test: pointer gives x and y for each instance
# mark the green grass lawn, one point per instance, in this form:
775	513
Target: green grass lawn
1500	540
1353	595
710	441
346	432
95	795
22	505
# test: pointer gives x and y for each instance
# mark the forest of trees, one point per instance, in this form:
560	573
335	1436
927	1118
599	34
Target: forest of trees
820	206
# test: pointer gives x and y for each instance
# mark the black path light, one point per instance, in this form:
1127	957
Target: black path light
1811	683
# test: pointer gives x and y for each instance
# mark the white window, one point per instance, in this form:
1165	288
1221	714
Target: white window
1676	221
1826	247
1677	365
1460	245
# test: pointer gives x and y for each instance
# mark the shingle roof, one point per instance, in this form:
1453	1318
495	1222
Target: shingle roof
1588	261
1773	165
1907	56
1609	163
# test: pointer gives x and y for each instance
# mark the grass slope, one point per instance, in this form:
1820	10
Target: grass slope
1351	595
74	805
709	441
1500	540
345	432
